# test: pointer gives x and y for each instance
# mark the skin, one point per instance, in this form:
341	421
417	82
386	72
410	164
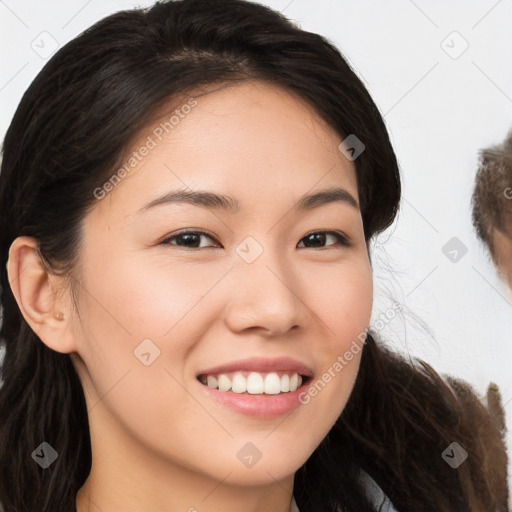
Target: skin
159	442
502	249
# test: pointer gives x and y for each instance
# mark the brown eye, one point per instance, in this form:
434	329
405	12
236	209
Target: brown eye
188	239
319	239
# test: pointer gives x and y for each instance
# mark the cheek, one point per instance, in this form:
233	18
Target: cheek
131	307
348	302
344	304
150	297
342	298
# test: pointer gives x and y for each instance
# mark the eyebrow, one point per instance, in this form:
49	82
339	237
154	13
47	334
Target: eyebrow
215	201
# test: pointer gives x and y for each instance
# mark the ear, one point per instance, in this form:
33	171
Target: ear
36	291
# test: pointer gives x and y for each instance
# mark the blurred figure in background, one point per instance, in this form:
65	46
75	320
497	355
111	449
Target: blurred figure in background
492	205
492	219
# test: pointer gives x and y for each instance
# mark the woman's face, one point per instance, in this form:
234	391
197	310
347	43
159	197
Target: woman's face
159	309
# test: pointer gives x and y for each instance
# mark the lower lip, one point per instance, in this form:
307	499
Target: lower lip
261	406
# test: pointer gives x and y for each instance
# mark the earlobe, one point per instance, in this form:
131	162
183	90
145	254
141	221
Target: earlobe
34	289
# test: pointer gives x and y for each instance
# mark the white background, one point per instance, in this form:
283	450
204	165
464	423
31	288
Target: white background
440	105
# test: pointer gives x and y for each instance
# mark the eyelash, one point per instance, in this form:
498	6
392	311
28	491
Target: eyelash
342	239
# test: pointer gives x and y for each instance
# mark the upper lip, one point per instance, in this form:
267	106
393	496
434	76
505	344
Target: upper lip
261	364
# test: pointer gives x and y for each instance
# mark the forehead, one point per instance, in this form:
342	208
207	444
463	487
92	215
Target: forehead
246	140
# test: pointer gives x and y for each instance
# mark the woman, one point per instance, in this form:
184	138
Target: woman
188	194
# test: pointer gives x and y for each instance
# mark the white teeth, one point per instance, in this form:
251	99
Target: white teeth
255	383
293	382
285	383
224	382
272	384
239	384
211	381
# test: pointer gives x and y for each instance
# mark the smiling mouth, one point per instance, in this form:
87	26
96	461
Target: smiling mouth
255	383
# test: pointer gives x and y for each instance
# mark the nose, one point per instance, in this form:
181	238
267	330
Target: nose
264	297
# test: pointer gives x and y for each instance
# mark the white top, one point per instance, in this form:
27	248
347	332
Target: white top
376	494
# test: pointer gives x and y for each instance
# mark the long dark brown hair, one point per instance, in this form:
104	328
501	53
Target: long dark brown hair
68	135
